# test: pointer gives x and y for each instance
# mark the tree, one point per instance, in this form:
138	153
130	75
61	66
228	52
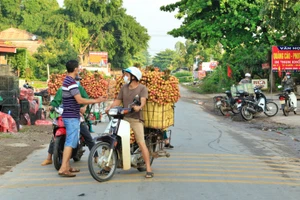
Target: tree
56	53
164	59
246	30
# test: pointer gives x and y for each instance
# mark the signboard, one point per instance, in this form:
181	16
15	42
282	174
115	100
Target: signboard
265	65
259	82
285	58
209	66
98	57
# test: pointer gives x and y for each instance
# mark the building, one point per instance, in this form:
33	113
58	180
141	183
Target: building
21	39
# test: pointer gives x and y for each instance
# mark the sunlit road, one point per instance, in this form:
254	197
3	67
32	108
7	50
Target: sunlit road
212	159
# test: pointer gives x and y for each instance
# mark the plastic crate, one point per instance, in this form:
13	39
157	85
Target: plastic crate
9	97
158	116
9	83
24	105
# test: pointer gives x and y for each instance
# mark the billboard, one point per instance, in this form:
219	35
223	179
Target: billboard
285	58
98	57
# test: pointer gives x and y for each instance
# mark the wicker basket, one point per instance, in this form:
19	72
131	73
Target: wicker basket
246	87
158	116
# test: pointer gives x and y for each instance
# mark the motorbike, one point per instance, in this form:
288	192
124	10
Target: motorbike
288	101
257	104
59	138
114	148
226	103
45	96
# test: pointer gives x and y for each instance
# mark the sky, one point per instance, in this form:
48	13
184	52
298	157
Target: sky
157	22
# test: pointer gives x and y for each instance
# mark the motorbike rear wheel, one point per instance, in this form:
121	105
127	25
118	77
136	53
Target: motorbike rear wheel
152	147
246	114
286	109
271	109
235	109
97	167
224	108
59	143
79	152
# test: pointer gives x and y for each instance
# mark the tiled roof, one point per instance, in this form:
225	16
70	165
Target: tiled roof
20	39
15	34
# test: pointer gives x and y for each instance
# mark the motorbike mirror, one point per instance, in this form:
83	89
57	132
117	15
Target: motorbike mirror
136	100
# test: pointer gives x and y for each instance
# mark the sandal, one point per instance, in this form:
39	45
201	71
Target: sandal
46	162
66	174
74	170
149	175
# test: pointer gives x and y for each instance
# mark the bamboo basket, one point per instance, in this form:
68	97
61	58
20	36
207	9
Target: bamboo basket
158	116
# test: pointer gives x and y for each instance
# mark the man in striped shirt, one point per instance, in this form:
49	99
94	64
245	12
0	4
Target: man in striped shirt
71	103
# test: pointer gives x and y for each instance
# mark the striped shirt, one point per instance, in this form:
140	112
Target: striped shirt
70	105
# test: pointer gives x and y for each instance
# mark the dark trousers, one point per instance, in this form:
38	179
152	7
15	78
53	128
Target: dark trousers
84	131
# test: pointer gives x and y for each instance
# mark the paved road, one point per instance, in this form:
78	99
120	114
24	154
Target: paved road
212	159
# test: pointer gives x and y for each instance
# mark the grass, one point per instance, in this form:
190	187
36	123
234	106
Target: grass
6	135
37	84
196	89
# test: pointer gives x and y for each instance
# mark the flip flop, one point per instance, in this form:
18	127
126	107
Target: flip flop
149	175
74	170
66	174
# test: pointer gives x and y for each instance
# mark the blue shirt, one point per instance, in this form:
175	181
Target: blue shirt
70	105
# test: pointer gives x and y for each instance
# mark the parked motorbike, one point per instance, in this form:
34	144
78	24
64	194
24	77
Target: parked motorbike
45	96
114	149
59	134
227	103
288	101
255	105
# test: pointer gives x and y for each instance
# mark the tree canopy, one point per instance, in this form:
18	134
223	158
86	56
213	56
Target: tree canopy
87	25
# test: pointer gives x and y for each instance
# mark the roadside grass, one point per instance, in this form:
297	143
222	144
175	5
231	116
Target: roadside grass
6	135
35	83
193	88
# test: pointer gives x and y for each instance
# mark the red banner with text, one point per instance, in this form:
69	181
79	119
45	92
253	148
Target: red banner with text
286	58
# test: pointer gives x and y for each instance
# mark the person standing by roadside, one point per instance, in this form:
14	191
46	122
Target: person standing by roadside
128	92
71	100
56	102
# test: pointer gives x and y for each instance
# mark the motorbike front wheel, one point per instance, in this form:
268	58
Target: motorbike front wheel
59	143
246	114
271	109
98	159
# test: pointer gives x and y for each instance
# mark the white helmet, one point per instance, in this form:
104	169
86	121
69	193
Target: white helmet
135	72
247	75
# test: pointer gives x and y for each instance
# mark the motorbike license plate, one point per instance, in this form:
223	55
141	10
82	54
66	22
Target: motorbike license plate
219	103
282	102
239	105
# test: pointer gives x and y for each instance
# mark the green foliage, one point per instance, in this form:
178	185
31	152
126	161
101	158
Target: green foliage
216	81
19	61
245	30
184	77
56	53
81	26
182	74
164	59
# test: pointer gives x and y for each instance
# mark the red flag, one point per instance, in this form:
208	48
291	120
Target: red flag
229	71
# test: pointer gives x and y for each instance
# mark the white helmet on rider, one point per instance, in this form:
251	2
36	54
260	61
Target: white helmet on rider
248	75
135	72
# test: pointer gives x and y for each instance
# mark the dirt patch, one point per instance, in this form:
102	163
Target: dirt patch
15	147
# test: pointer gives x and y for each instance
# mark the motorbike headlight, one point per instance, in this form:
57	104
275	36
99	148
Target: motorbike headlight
113	112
